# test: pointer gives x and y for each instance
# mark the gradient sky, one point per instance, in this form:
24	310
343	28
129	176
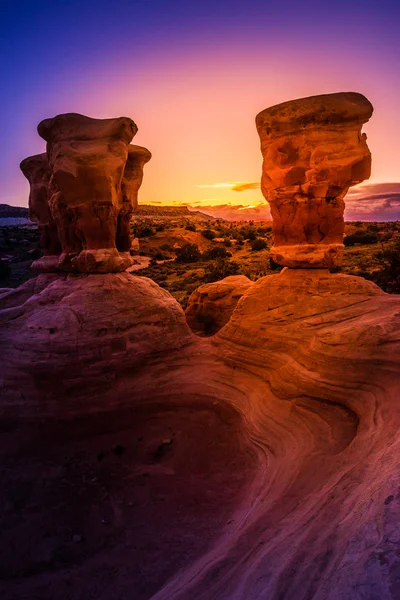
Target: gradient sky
193	75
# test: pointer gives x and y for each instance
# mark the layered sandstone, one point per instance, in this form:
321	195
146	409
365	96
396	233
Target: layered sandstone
93	189
37	171
211	305
261	462
313	151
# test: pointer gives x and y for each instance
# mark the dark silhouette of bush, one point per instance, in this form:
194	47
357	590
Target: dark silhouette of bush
188	253
145	231
208	234
220	269
190	226
388	277
216	252
360	238
258	244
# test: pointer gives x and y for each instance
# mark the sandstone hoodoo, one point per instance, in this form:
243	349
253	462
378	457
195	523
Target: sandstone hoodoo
313	151
95	177
37	171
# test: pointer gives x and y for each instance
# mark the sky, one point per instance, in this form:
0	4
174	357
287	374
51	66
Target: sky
193	75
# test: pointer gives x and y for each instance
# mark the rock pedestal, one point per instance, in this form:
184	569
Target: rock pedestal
37	171
313	152
88	159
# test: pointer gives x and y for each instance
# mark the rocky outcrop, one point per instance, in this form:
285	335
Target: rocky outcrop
210	306
37	171
93	189
313	151
261	462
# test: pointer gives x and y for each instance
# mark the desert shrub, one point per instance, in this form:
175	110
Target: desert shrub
227	242
388	277
216	252
258	244
373	227
249	233
208	234
160	227
190	226
220	269
361	238
188	253
145	231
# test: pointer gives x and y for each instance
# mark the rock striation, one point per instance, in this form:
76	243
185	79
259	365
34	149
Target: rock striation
313	151
37	171
260	462
210	306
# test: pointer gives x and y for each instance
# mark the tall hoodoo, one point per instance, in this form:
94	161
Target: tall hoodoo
37	171
313	151
90	160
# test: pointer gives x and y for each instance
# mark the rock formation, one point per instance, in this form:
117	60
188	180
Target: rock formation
313	152
37	171
131	182
94	184
138	460
210	306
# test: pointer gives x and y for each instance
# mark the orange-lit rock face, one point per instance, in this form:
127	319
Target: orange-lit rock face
131	182
313	152
37	171
88	159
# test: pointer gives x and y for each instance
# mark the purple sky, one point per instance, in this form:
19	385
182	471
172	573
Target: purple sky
193	75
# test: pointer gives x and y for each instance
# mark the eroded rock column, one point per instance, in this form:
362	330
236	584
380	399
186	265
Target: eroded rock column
313	151
131	182
37	171
87	158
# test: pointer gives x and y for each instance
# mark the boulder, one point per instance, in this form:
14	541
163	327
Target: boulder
210	306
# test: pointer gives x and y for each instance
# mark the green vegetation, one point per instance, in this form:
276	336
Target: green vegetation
185	256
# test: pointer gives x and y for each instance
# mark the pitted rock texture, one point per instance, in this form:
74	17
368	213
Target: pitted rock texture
313	151
96	175
37	171
210	306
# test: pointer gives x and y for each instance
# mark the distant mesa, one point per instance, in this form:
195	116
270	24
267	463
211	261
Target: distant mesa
313	152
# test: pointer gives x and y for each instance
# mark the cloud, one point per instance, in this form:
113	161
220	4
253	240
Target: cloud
242	187
236	186
373	202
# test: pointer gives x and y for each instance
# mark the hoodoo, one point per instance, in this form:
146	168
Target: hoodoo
313	151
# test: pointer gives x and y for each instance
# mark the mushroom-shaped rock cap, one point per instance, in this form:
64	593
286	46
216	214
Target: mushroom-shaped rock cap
80	127
315	111
35	166
139	153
